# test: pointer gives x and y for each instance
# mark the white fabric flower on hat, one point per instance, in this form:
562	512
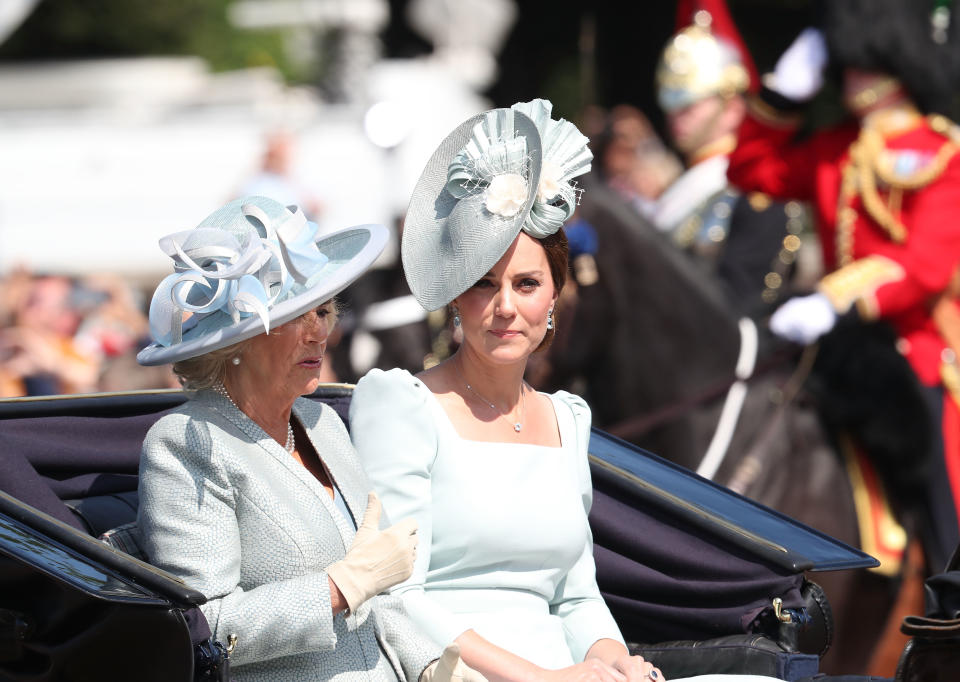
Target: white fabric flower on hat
506	194
551	175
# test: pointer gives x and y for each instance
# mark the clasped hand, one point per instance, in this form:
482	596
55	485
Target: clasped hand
377	559
624	668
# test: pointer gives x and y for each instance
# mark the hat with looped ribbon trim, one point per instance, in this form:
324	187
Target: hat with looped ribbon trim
250	266
498	173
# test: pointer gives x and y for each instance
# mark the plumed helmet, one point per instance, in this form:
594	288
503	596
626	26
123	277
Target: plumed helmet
696	64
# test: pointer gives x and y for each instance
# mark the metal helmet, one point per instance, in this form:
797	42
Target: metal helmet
696	64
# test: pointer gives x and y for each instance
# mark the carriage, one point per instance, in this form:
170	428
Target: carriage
699	578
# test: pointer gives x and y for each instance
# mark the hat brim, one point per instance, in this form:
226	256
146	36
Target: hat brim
449	244
350	251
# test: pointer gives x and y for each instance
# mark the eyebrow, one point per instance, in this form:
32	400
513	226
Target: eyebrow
529	273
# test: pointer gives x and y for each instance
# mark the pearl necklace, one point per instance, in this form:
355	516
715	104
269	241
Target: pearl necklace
517	425
291	443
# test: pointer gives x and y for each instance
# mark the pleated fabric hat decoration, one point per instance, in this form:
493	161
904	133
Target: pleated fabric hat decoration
249	267
498	173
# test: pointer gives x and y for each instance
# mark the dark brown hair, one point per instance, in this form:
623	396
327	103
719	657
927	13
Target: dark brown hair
558	257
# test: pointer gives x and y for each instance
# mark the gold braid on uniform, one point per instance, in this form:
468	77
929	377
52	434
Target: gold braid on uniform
869	161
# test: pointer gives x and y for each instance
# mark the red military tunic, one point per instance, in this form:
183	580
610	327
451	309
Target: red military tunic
887	202
893	274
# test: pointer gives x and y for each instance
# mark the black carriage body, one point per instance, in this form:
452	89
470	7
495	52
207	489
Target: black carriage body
72	608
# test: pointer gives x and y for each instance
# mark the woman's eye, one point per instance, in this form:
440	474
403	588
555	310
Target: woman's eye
483	284
529	283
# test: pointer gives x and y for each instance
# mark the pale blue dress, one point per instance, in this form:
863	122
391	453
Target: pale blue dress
505	548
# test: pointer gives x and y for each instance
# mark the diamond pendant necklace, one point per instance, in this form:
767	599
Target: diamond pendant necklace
291	443
517	425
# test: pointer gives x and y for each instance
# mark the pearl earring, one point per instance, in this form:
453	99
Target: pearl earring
550	319
235	360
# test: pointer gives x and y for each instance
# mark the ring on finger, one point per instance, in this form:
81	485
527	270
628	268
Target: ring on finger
653	675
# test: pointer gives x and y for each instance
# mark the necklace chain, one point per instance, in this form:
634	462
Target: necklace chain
517	425
291	443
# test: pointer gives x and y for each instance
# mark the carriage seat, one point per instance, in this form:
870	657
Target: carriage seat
77	458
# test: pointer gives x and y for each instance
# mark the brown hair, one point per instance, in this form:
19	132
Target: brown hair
558	257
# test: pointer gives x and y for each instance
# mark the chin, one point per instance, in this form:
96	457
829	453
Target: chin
309	386
510	354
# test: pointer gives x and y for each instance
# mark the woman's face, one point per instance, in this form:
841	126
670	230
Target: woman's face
504	315
289	358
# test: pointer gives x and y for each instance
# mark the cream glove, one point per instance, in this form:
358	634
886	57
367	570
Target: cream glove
377	559
450	668
798	75
805	319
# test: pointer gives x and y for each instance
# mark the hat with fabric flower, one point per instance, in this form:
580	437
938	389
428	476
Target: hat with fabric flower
498	173
250	266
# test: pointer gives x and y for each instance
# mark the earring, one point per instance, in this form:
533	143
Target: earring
235	360
550	319
456	316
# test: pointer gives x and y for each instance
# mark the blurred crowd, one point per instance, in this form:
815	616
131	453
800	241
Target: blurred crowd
60	334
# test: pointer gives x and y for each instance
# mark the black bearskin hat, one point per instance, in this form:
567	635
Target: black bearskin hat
916	41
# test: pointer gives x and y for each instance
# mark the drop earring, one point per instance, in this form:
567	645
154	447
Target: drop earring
456	316
235	360
550	319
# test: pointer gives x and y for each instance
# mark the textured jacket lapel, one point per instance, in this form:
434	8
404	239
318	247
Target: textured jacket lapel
328	436
271	448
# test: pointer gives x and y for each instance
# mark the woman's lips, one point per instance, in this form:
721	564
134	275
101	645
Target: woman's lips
504	333
311	363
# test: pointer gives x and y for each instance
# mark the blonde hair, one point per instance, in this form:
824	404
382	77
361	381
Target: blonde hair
207	370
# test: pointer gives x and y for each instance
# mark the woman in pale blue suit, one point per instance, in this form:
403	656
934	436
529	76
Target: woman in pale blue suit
252	494
495	473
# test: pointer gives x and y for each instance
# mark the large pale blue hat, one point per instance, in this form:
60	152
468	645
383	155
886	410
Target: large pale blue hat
250	266
498	173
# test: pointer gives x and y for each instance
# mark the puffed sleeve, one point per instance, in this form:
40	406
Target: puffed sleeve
396	437
577	600
189	527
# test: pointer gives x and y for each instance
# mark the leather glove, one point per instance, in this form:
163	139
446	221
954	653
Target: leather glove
450	668
805	319
377	559
798	75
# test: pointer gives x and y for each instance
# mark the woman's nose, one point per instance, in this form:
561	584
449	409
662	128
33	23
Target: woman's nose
504	302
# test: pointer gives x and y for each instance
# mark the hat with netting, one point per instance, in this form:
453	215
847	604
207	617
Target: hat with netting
498	173
250	266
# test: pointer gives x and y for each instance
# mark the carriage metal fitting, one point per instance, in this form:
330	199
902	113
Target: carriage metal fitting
782	616
231	642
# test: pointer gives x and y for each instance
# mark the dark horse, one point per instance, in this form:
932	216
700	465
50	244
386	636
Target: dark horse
653	346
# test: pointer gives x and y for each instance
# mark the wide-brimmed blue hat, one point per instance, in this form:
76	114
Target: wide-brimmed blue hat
250	266
498	173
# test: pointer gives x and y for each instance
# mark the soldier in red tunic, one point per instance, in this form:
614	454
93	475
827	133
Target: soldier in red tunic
886	191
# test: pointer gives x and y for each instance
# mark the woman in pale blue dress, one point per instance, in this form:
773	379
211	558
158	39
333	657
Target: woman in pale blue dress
495	473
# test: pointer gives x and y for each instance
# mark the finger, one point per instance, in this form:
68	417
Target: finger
405	528
371	517
449	658
633	667
611	674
